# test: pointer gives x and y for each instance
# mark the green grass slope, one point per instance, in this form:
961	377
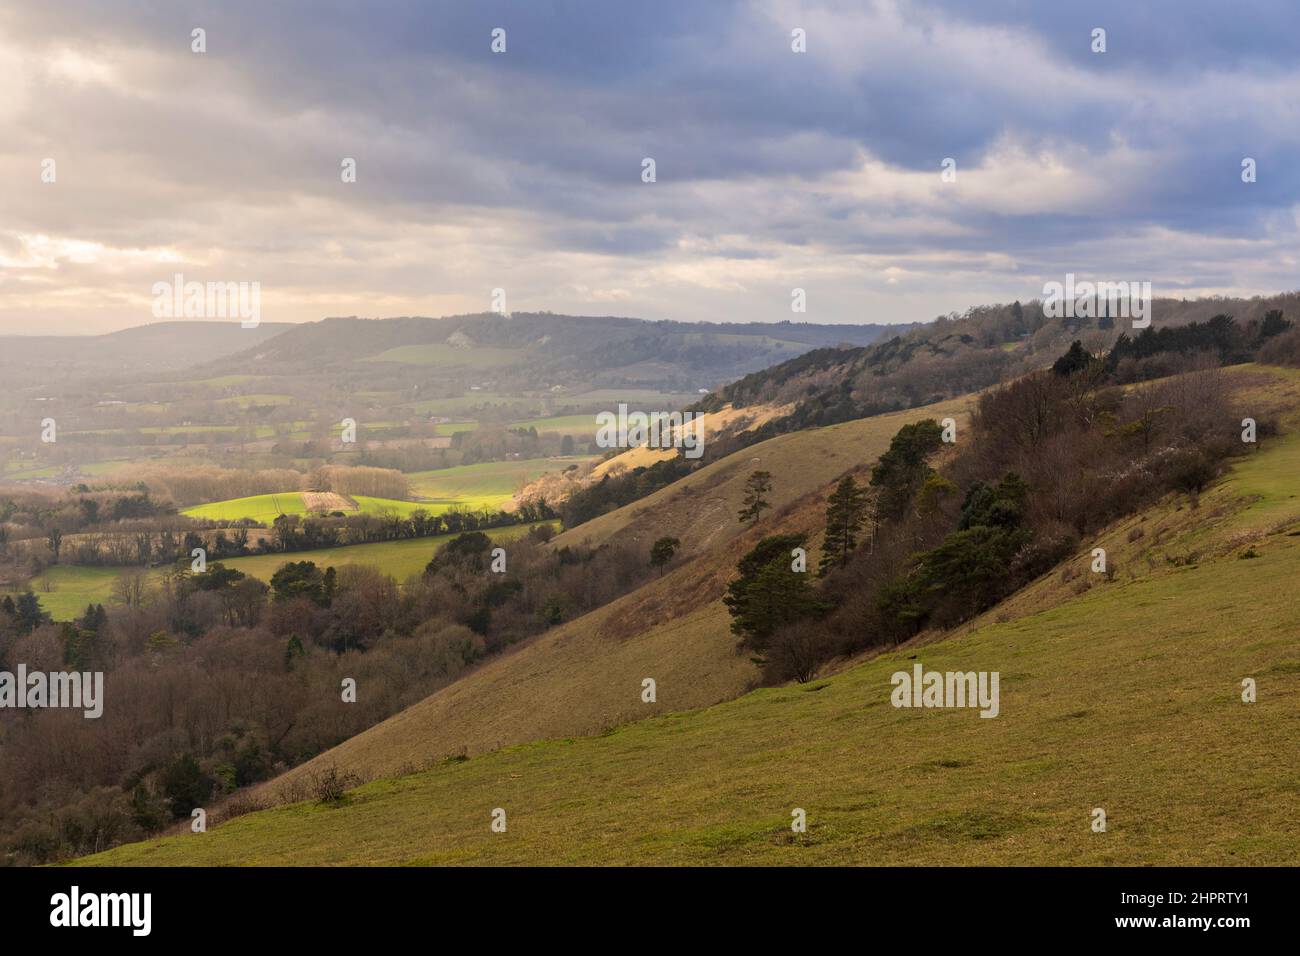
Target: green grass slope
263	508
266	508
489	484
1126	696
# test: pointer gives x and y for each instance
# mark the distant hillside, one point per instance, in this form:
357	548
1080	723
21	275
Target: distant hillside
133	354
526	350
955	356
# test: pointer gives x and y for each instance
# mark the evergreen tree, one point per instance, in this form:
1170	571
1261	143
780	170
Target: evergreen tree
902	470
770	594
184	785
756	489
28	613
1273	324
846	509
1075	360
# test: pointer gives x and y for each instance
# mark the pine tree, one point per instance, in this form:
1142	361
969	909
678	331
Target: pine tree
756	489
769	594
28	612
902	470
846	509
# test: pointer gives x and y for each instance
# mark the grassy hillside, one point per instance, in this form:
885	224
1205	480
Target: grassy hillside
488	484
442	354
701	509
264	508
573	679
1123	695
578	353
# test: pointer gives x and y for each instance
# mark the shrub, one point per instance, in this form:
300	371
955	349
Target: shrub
331	785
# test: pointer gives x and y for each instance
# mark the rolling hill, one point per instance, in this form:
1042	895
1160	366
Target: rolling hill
158	348
572	679
1120	694
527	349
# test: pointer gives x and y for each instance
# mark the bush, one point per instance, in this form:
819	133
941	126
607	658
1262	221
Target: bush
795	653
331	785
1190	470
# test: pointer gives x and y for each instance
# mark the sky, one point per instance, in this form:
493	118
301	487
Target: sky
524	170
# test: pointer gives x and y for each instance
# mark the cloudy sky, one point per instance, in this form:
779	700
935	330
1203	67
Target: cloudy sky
522	170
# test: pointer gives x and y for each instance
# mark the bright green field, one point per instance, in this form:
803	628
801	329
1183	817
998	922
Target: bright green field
486	485
266	508
1126	697
72	588
369	505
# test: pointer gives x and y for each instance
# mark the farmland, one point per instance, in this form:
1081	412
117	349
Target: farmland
487	484
399	559
71	587
266	508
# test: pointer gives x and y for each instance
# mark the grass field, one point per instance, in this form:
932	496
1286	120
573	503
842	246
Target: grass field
462	403
451	428
397	558
485	485
25	471
440	354
369	505
245	401
73	587
1125	697
225	381
266	508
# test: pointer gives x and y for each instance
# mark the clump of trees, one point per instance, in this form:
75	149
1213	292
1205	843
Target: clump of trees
1047	460
216	680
